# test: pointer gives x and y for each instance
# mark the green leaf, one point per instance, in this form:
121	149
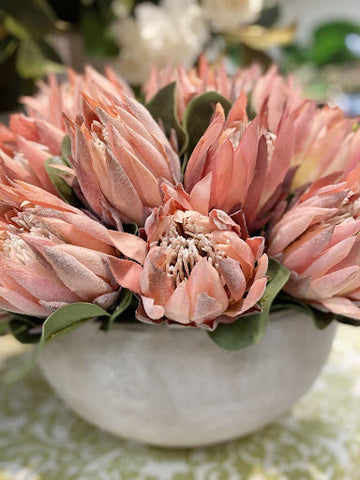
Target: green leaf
4	327
100	43
62	321
163	106
248	329
28	18
32	62
7	48
124	303
66	149
329	45
198	114
69	317
22	327
131	228
55	175
284	301
347	320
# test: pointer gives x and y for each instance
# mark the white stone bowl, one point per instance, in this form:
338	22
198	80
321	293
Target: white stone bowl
175	387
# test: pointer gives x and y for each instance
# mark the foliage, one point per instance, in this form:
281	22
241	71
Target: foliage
328	45
25	25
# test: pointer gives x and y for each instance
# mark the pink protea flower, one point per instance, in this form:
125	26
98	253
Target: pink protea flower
250	164
318	240
119	155
329	142
28	143
199	268
55	99
52	254
200	80
271	91
31	140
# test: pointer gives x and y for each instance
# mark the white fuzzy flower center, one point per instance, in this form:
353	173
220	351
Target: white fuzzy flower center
14	248
186	243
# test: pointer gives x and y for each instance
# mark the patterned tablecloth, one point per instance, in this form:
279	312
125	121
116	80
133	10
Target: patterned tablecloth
40	439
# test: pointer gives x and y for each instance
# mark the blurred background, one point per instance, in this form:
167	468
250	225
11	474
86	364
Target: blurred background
316	40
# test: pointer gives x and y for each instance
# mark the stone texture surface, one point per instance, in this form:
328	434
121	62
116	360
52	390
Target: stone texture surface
175	387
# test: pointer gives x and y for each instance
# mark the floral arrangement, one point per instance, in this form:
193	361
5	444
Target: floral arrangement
215	201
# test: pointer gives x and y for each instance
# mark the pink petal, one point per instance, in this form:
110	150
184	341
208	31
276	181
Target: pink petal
328	259
177	307
204	279
233	276
200	195
155	312
129	245
127	273
341	306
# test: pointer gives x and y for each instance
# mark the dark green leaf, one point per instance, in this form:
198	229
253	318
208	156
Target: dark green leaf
28	18
198	114
100	43
55	175
4	326
7	48
31	61
131	228
62	321
69	317
163	107
248	329
13	27
124	303
329	45
347	320
284	301
66	149
24	327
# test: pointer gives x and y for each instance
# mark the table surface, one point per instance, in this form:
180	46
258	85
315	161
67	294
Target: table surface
319	439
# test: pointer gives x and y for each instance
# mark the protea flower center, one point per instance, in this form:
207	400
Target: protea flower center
187	241
199	270
14	248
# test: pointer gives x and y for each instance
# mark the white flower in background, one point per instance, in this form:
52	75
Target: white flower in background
167	34
227	15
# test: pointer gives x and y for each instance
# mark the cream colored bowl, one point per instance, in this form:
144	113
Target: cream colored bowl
175	387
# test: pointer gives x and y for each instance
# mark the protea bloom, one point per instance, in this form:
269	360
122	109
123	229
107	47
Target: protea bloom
51	254
25	147
199	268
250	165
329	142
31	140
318	239
199	80
270	92
55	99
119	155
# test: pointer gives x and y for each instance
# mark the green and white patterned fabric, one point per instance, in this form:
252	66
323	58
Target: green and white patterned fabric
319	439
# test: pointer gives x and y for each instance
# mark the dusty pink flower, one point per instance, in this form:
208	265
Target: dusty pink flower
52	254
200	80
199	268
31	140
119	155
250	164
318	240
329	142
278	95
28	143
270	91
55	99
